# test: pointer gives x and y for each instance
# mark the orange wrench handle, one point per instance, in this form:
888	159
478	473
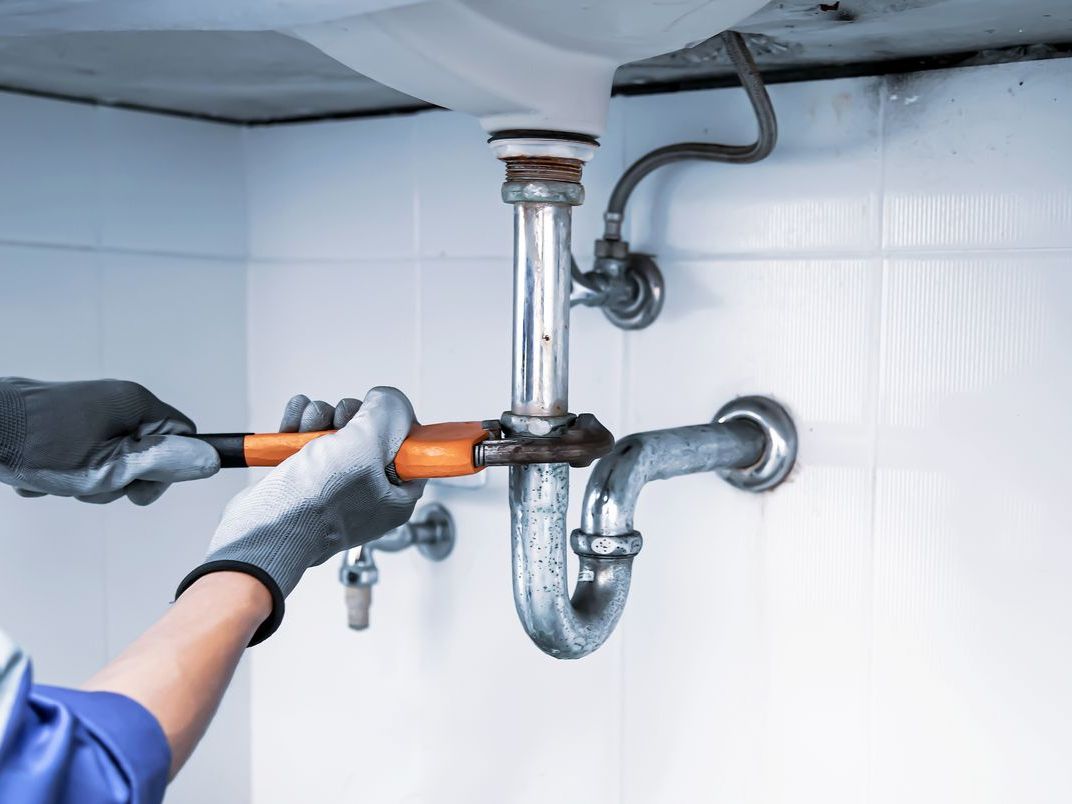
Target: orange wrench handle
440	450
430	450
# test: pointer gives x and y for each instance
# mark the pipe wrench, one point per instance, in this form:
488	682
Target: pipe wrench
448	449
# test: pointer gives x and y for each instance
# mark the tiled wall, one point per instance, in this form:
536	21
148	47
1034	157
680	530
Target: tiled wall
122	254
891	625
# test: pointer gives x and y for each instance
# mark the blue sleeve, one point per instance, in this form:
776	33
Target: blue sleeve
61	746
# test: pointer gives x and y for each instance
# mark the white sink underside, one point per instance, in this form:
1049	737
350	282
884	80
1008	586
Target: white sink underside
189	56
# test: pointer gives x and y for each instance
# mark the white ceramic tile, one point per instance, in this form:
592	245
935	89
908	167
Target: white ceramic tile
803	330
52	594
747	642
50	305
696	657
773	674
963	331
178	327
974	157
358	330
465	377
970	699
171	185
970	523
817	606
460	208
818	191
51	579
48	171
337	190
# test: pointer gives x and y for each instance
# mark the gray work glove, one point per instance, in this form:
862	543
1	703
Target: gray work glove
332	495
96	441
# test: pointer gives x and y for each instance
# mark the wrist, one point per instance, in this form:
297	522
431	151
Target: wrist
255	593
240	595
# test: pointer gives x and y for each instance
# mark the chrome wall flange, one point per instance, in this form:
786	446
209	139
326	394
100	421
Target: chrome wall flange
628	287
645	299
435	532
781	437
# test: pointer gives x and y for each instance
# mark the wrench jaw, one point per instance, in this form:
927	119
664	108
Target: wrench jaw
577	440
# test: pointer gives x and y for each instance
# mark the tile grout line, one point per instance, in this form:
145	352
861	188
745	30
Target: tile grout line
876	402
418	268
625	413
671	258
98	276
764	256
106	524
82	248
251	662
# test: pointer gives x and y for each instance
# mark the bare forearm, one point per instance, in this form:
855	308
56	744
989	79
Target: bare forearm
180	668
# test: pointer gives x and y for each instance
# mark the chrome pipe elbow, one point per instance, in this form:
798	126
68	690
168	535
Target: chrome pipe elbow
751	443
614	487
561	626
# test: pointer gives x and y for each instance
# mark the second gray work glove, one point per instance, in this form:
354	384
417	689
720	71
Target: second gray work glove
330	496
96	440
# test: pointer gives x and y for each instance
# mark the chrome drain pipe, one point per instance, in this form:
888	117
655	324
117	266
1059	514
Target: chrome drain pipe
543	184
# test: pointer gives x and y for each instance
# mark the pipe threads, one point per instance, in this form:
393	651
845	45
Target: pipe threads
543	168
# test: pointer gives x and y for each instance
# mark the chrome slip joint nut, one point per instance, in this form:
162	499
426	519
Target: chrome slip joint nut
517	424
543	192
624	546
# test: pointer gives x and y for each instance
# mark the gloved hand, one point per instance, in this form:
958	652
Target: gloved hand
96	441
330	496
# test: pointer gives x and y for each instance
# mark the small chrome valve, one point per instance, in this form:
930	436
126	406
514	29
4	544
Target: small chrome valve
431	531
